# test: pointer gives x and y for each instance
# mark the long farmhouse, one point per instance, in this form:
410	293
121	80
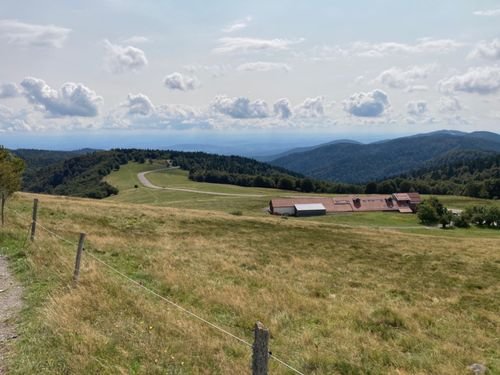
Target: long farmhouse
300	206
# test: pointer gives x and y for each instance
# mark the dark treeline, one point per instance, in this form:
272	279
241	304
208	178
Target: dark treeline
83	175
469	173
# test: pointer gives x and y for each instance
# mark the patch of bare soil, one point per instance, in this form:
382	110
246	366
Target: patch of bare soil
10	305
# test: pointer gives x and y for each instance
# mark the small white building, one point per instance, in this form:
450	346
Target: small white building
309	209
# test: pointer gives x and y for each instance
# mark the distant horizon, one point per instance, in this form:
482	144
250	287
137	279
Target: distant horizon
238	143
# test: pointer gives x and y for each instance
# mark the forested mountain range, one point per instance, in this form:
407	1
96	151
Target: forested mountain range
362	163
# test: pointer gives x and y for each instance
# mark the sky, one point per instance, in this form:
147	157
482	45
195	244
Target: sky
107	73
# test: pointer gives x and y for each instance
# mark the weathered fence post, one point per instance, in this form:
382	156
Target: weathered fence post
3	208
79	250
34	218
260	357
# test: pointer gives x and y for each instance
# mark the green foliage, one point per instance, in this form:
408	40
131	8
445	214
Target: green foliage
83	175
470	173
431	211
11	169
483	216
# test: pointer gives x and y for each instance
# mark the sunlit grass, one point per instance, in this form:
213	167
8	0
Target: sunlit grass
337	300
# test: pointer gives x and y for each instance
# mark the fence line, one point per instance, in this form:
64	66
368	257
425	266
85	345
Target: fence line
154	293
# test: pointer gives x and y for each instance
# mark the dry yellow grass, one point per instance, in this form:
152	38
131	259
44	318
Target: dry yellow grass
336	299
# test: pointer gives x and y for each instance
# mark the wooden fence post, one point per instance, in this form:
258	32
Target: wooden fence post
79	250
260	356
34	218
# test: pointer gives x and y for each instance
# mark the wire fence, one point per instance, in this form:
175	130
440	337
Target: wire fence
169	301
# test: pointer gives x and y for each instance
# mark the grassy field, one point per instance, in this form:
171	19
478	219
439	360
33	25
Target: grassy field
337	299
126	178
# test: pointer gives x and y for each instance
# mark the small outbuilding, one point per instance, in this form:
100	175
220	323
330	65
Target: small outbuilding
309	209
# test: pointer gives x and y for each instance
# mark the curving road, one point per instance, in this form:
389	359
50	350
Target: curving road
144	181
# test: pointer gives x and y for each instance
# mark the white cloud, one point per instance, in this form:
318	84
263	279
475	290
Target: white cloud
399	78
311	107
487	50
11	120
367	104
246	45
237	25
368	49
139	112
478	80
487	13
240	107
283	108
73	99
33	35
121	59
416	108
449	104
139	104
424	45
9	90
262	66
178	81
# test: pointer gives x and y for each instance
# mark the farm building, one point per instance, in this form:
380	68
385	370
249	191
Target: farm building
399	202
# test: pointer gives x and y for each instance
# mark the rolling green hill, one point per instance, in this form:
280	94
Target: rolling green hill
361	163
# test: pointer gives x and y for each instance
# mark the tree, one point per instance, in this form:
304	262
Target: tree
285	183
371	188
11	170
427	214
431	211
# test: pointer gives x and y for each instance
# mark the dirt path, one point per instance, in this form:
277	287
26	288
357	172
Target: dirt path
10	305
144	180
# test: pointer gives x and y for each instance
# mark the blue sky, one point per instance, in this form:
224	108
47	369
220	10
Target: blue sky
116	72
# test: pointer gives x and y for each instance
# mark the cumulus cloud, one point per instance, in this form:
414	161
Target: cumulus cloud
245	45
178	81
479	80
262	66
33	35
416	108
72	99
283	108
240	107
139	104
487	50
138	111
237	25
367	104
121	59
449	104
9	90
311	107
487	13
399	78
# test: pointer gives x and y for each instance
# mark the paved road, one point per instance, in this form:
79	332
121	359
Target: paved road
144	180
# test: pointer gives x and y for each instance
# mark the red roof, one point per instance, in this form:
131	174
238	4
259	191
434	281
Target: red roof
361	203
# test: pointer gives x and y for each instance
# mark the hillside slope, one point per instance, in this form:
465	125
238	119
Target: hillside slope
470	173
360	163
337	300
